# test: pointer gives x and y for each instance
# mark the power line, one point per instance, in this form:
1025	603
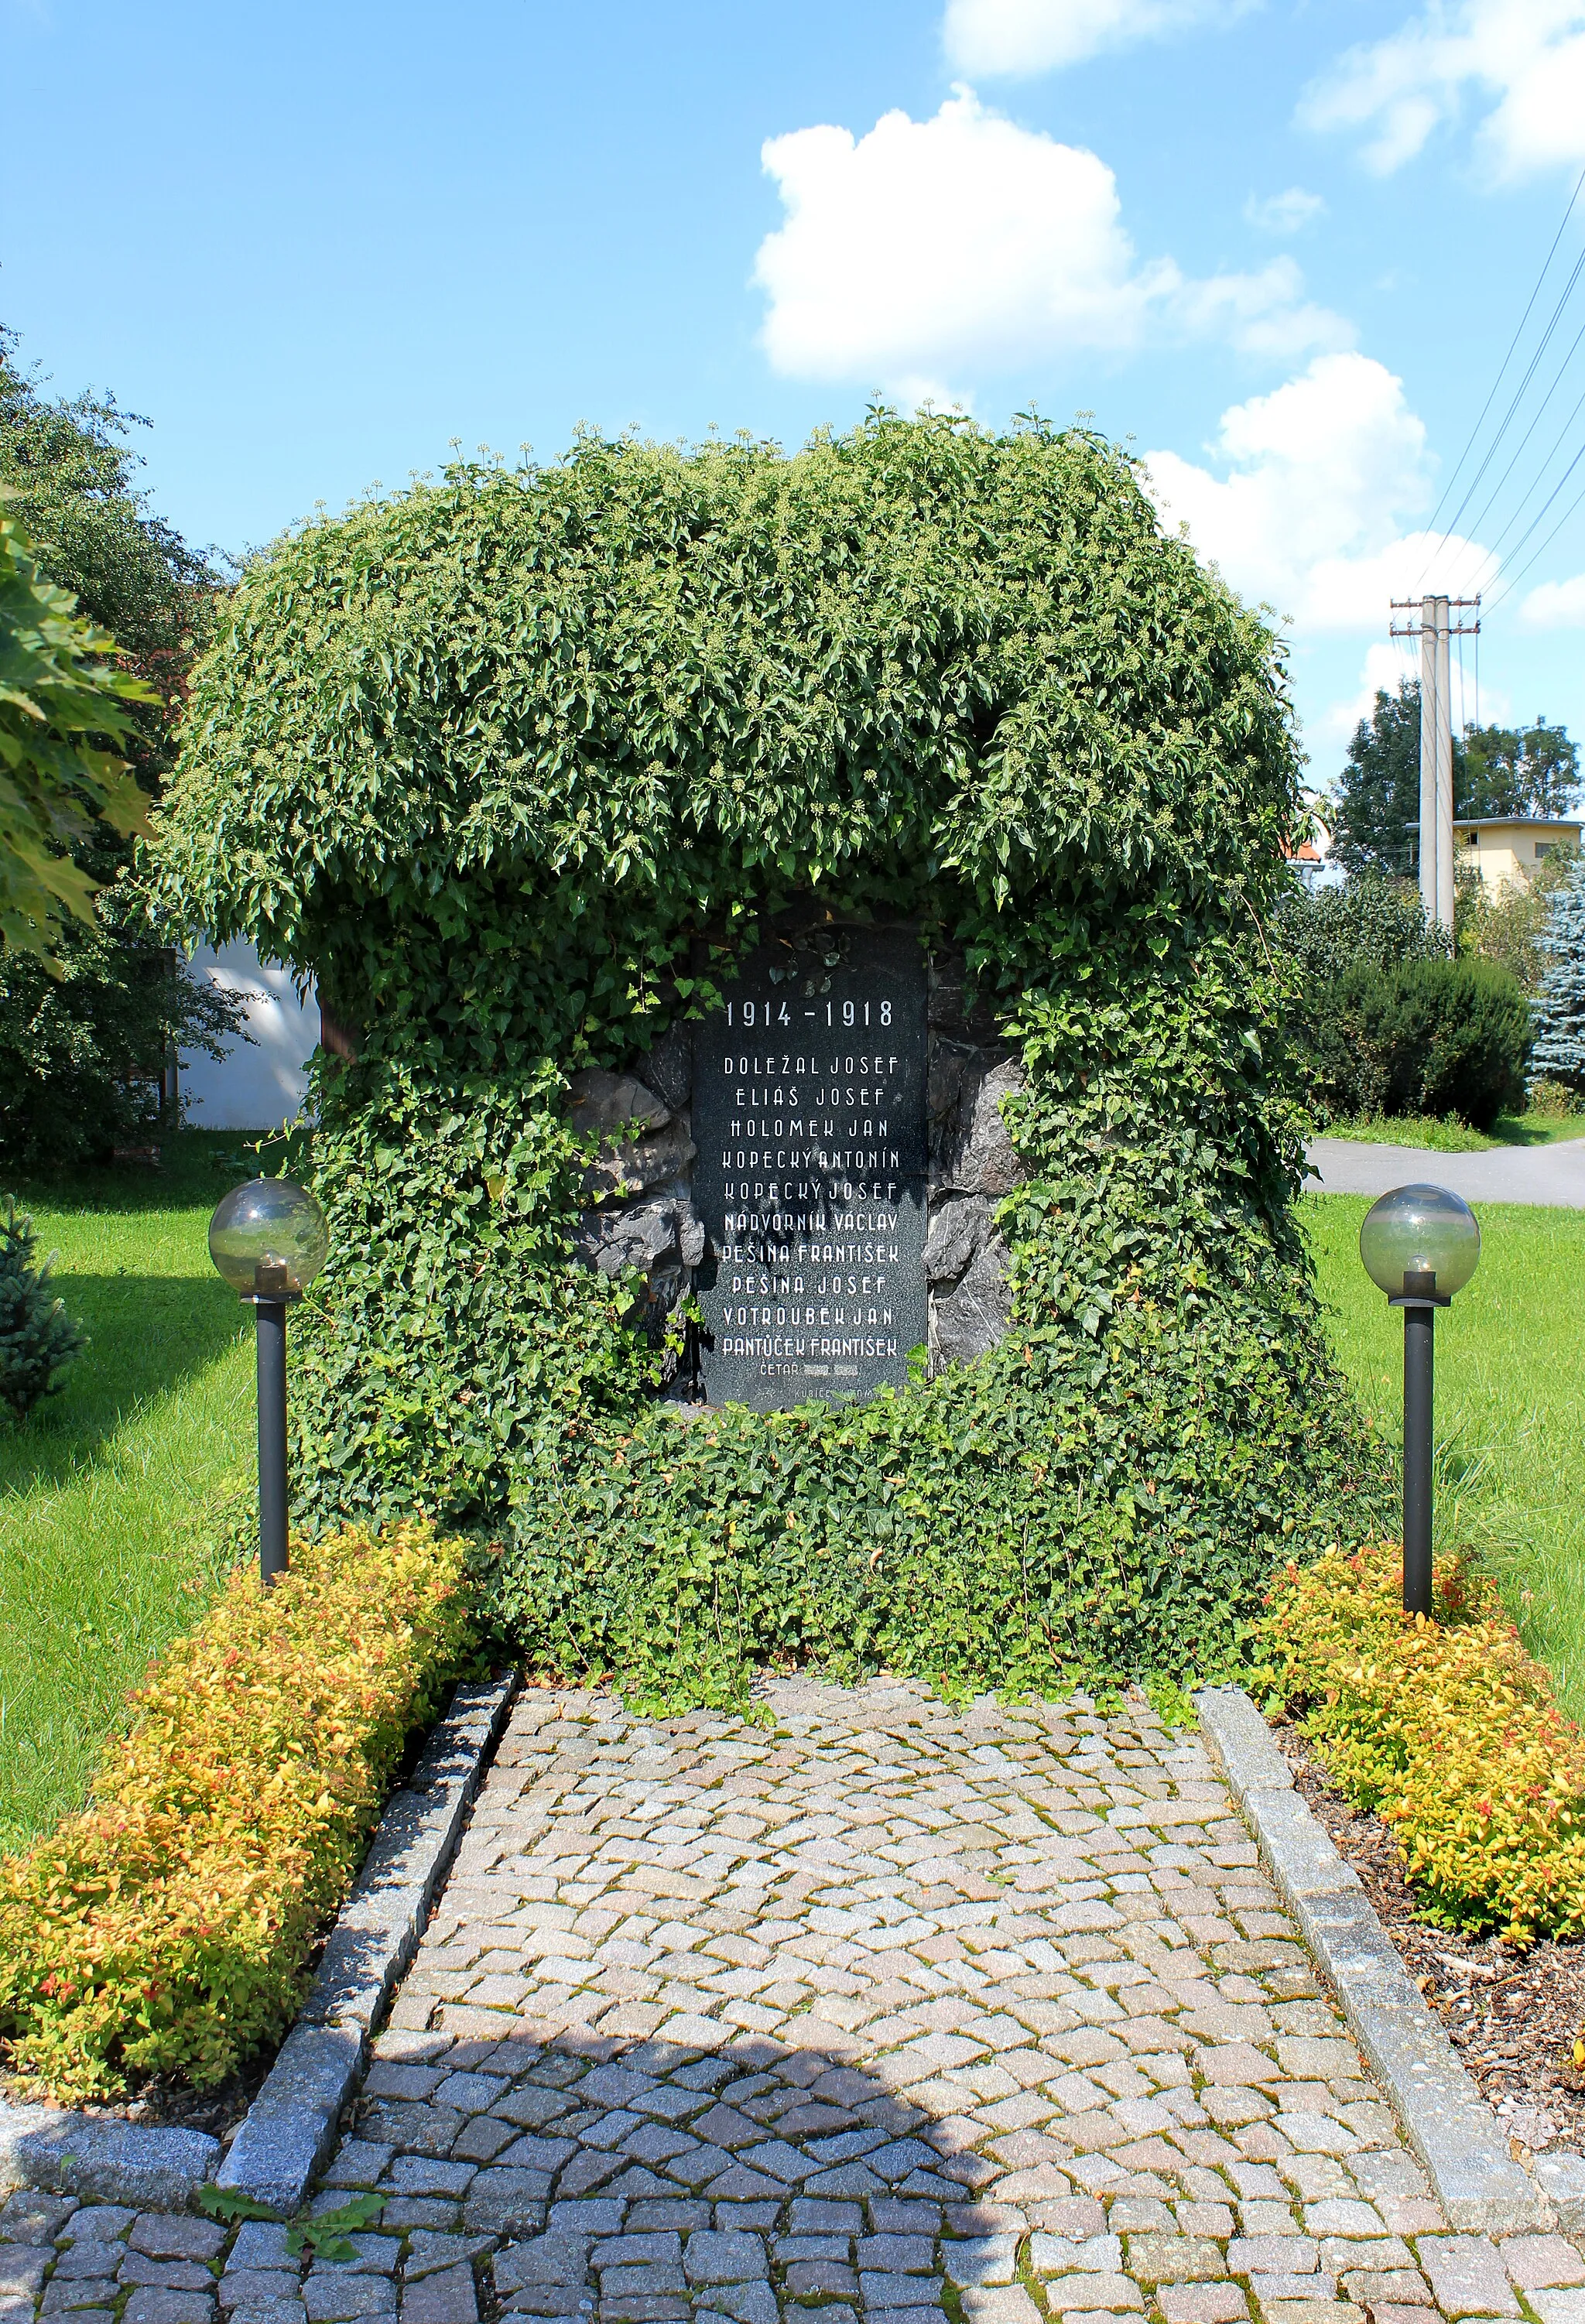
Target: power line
1502	367
1515	401
1512	581
1557	382
1477	677
1557	442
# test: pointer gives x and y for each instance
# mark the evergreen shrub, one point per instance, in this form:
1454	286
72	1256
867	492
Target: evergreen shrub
517	763
1434	1036
1560	1010
1447	1729
1459	1035
165	1929
38	1339
1339	945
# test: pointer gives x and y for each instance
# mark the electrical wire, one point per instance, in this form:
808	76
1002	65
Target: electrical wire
1557	444
1508	359
1517	397
1477	521
1512	580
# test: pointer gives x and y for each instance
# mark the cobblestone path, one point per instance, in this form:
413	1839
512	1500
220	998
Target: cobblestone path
985	2015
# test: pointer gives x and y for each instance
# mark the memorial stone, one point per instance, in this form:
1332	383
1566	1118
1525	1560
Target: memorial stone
808	1114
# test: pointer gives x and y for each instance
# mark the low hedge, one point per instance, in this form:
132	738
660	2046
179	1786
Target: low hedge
1447	1729
165	1929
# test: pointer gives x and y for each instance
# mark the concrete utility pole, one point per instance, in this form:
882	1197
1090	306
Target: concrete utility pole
1436	764
1434	631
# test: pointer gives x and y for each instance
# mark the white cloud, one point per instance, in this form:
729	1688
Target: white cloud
1382	671
1263	314
1314	514
1284	213
1556	605
965	246
1384	666
917	393
1519	63
1034	36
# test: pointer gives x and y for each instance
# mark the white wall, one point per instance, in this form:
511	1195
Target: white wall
261	1085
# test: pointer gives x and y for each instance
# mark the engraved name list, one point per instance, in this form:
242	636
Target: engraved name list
809	1121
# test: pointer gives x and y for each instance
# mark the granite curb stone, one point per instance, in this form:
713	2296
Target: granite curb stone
1478	2183
1563	2177
291	2126
118	2162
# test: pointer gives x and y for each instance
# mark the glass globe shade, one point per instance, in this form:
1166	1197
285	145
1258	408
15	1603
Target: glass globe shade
1420	1231
273	1225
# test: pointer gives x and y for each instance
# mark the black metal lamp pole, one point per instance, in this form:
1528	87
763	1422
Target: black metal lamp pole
1419	1301
1420	1244
269	1240
270	1304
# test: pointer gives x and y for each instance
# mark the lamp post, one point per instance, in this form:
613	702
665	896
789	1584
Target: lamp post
269	1240
1419	1244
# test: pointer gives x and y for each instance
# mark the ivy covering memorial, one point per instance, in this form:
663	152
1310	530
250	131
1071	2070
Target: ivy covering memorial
549	776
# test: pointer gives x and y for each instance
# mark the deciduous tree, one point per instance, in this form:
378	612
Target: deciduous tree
103	608
1497	770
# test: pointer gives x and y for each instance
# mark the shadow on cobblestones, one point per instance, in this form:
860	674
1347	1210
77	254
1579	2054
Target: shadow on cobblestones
659	2181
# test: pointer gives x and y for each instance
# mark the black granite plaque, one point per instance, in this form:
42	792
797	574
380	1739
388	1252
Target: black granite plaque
808	1114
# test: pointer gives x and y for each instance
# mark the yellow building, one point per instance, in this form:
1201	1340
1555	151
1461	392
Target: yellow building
1506	849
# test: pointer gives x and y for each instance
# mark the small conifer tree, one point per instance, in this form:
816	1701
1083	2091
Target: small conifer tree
37	1338
1558	1054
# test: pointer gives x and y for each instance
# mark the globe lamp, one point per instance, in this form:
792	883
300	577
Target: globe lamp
1420	1245
269	1240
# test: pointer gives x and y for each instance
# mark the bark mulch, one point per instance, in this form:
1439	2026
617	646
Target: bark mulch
1512	2017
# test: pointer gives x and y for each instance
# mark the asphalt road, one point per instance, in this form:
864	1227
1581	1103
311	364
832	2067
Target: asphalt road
1549	1174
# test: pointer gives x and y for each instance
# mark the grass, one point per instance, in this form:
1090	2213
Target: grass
1535	1129
1452	1136
1510	1405
113	1495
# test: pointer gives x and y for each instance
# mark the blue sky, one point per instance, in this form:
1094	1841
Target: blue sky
1283	244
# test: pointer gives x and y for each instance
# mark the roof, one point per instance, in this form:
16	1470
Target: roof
1519	822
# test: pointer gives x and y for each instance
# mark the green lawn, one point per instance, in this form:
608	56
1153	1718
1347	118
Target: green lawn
111	1496
1453	1137
1510	1403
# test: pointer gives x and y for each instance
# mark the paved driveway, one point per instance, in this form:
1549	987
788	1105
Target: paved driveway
929	2016
1553	1174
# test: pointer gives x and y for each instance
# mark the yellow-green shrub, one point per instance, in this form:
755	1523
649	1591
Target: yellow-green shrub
1448	1730
165	1929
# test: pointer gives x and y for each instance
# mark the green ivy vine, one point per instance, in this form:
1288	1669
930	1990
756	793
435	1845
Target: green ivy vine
516	762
